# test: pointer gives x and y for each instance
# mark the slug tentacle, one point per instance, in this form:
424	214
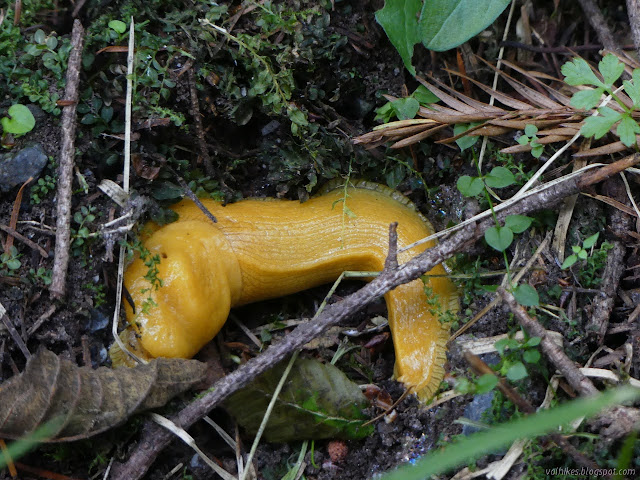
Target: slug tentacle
265	249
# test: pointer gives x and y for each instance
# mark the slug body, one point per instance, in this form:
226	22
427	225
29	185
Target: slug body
262	249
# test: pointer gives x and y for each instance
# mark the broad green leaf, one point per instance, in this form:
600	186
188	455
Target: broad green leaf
445	24
406	108
470	186
423	95
469	448
531	356
399	19
610	68
627	130
526	295
632	87
464	142
297	116
517	223
523	140
530	130
590	241
587	99
517	371
486	383
118	26
19	120
600	125
317	401
569	261
582	254
395	176
499	238
578	72
500	177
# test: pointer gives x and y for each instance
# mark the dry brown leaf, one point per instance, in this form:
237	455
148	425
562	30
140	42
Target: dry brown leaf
84	401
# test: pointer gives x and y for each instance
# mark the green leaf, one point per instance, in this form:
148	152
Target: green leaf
610	68
469	448
590	241
399	19
569	261
499	238
468	141
517	223
19	120
506	343
406	108
632	87
39	37
530	130
531	356
118	26
600	125
537	150
627	130
517	371
526	295
486	383
470	186
587	99
423	95
318	401
533	342
500	177
523	140
297	116
578	72
582	254
445	24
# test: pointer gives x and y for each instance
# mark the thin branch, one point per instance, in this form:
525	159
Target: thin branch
65	172
154	440
599	24
633	10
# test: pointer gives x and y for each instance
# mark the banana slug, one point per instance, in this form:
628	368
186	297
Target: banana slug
261	249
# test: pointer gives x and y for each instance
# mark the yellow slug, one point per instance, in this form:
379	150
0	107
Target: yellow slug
262	249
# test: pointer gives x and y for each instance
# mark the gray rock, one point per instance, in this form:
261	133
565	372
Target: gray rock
17	167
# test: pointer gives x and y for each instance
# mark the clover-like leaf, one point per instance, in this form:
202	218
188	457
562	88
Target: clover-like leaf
610	68
406	108
499	238
470	186
600	125
526	295
517	371
627	130
19	121
587	99
467	141
578	72
517	223
530	130
500	177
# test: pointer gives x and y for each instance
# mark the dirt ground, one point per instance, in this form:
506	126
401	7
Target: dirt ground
340	63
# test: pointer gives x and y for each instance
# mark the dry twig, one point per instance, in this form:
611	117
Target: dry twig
67	153
154	440
599	24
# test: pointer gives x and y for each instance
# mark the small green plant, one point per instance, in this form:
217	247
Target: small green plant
42	188
408	107
482	384
530	138
578	72
513	353
19	120
82	218
99	293
580	252
10	260
500	237
151	262
40	276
